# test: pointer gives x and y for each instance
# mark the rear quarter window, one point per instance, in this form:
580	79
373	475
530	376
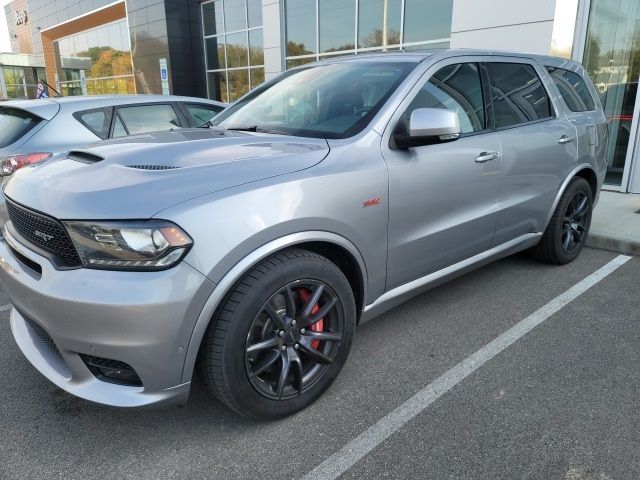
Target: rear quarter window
573	89
14	124
97	121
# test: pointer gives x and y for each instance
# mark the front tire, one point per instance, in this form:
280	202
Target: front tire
568	228
281	335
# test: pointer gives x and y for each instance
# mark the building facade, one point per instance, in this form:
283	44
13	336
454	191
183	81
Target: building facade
223	48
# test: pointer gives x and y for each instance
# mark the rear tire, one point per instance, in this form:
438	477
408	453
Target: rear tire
281	336
568	228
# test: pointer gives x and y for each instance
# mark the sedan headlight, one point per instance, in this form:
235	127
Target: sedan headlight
137	245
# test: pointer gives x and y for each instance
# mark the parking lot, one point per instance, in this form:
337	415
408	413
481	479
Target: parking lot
558	402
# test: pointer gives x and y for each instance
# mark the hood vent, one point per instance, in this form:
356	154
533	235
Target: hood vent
84	157
152	167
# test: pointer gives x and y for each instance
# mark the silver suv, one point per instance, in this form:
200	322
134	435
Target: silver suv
251	250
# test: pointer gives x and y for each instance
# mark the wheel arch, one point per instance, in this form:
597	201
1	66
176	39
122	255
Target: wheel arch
585	171
336	248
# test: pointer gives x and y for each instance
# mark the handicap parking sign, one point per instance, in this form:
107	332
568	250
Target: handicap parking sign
163	73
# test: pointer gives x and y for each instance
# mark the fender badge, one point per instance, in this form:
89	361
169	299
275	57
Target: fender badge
371	202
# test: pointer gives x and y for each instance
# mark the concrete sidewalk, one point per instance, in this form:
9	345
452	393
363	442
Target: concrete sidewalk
615	224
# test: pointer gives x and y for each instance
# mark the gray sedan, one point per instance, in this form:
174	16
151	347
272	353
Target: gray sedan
34	130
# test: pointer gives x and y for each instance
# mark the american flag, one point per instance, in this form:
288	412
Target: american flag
41	93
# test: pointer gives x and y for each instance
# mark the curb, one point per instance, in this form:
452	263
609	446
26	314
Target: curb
618	245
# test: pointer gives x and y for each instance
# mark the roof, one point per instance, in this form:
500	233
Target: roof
421	55
48	107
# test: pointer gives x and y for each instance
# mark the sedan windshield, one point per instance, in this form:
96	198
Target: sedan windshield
323	101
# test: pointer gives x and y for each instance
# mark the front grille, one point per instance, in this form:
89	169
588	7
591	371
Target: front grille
44	232
44	337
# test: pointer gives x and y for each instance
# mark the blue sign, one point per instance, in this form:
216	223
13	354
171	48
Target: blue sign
163	74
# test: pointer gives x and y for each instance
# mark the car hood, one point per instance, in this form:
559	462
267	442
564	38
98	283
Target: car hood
136	177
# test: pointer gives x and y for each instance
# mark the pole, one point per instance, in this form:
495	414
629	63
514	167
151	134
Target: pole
384	23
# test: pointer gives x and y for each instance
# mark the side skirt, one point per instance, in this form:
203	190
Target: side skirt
400	294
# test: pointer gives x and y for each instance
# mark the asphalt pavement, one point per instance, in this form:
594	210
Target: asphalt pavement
560	401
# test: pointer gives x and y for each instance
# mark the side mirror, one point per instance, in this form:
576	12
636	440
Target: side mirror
428	126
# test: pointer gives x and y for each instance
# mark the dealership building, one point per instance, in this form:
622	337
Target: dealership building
223	48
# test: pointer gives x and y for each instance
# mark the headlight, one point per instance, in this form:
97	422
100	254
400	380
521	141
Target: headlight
138	245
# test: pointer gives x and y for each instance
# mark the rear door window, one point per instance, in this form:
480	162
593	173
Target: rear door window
97	121
149	118
200	114
518	94
573	89
14	124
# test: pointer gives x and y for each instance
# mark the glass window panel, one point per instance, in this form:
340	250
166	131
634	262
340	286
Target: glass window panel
149	118
325	101
215	53
300	18
118	129
218	86
518	94
370	22
97	121
254	8
238	83
612	59
200	113
237	50
427	20
428	46
457	88
256	51
299	61
14	124
212	18
257	77
235	17
573	89
337	25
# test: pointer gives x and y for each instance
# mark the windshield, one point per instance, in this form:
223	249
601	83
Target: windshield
14	124
323	101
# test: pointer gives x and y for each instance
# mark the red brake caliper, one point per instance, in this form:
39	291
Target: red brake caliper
305	295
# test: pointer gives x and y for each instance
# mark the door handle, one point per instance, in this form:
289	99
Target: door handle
565	139
485	157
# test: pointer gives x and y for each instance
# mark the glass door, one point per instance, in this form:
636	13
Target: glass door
612	58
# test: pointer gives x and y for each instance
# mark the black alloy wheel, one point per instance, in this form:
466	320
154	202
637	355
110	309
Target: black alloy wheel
574	227
281	336
293	339
567	231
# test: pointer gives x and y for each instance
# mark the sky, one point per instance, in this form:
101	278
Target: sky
5	44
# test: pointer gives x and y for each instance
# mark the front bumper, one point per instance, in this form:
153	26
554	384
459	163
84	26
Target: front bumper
144	319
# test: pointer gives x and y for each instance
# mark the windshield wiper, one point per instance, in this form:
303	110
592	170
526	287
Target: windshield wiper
258	129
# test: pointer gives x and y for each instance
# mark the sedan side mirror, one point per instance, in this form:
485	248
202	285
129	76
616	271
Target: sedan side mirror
428	126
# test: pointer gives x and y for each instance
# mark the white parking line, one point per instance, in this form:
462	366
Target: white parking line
347	456
5	308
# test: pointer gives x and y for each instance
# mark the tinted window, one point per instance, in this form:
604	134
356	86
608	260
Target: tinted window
98	121
14	124
148	118
573	89
518	94
457	88
201	114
